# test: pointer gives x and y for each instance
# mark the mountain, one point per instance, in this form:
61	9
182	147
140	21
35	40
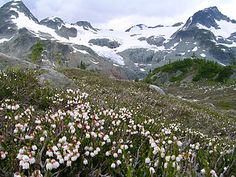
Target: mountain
142	27
128	54
212	33
208	18
54	22
86	25
10	12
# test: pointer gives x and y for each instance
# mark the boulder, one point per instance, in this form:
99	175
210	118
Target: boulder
105	42
158	89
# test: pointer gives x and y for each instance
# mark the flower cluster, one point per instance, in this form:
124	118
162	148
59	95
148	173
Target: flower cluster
76	135
26	157
3	155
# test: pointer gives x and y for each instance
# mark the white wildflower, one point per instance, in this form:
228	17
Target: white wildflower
113	165
147	160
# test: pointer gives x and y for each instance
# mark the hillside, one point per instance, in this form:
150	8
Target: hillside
123	54
198	80
191	70
120	128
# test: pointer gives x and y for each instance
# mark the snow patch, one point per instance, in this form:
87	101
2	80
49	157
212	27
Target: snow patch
221	63
186	27
226	28
83	51
166	31
4	40
203	55
141	69
94	62
200	26
112	56
230	45
195	49
25	22
174	46
84	36
115	65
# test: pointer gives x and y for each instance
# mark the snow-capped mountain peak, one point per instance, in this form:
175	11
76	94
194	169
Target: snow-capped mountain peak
137	27
10	13
213	20
52	22
208	18
15	7
85	25
55	19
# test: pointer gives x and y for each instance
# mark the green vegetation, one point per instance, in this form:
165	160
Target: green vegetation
82	65
227	104
219	95
225	73
57	57
207	70
23	86
233	61
36	53
121	128
200	69
133	95
183	66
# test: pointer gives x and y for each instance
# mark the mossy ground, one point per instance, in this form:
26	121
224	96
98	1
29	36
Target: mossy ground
164	135
137	95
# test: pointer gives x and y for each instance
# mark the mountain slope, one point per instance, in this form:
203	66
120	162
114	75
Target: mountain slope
74	133
209	18
199	81
133	52
211	32
191	70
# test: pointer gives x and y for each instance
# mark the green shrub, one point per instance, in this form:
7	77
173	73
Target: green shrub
225	73
36	53
82	65
207	70
183	66
42	97
22	85
17	83
201	68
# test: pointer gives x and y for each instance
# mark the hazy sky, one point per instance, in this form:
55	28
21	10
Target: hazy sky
125	13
